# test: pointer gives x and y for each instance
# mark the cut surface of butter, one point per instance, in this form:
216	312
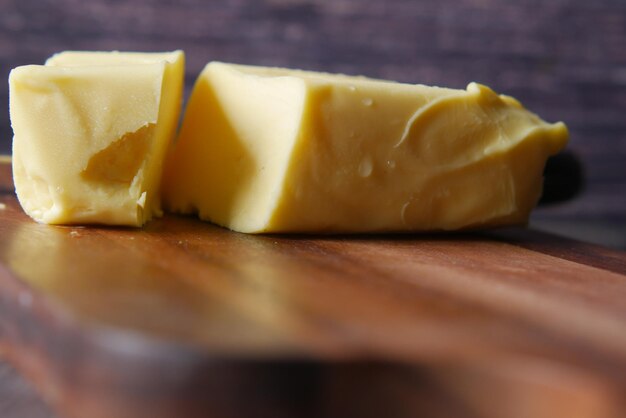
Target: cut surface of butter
91	130
92	58
277	150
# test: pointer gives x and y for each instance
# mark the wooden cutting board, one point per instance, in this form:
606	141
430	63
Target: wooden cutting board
186	319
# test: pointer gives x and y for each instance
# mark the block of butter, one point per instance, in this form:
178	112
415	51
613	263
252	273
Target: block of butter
277	150
90	134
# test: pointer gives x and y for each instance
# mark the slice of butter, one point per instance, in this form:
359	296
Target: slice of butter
90	134
276	150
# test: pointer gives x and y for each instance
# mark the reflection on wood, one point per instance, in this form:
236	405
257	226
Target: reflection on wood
183	317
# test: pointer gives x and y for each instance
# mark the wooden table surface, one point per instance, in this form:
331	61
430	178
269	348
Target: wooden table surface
183	317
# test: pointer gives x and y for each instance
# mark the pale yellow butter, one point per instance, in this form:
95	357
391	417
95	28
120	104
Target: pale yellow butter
276	150
90	133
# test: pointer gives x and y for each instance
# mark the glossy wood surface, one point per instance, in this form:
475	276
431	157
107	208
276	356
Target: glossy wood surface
186	317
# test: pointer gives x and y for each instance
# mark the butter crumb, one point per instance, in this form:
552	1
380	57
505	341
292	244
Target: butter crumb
141	202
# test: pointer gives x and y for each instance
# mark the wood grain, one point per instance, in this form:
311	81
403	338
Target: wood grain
183	318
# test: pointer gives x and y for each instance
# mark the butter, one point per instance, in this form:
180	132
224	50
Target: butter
106	58
90	134
277	150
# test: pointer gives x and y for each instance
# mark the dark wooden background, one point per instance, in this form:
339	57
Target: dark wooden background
564	59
